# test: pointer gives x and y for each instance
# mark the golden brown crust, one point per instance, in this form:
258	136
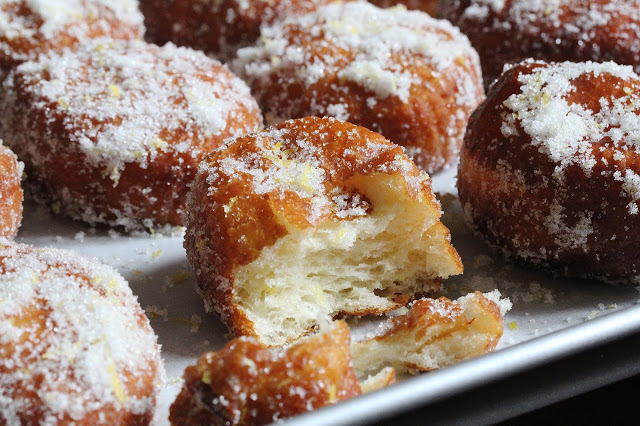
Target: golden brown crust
568	30
32	28
10	193
248	383
412	78
107	143
218	29
558	190
76	348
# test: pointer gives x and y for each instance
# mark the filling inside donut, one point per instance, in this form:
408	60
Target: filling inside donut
370	264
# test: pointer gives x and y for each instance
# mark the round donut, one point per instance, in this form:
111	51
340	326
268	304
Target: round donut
312	218
561	30
76	347
32	27
10	193
401	73
221	27
550	168
113	132
429	6
247	383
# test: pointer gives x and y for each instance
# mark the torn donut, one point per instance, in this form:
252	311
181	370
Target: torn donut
113	132
410	77
550	172
76	348
310	218
10	193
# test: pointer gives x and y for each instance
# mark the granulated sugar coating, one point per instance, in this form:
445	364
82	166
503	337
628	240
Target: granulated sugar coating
552	30
10	193
113	132
550	167
29	28
75	346
312	218
220	27
410	77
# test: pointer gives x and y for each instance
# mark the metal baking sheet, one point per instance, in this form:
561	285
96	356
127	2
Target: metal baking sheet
553	321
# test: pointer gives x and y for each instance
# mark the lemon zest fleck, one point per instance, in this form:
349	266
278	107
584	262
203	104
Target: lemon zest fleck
180	276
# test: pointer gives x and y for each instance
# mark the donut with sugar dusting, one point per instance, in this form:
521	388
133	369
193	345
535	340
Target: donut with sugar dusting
247	383
312	218
32	27
76	347
506	32
401	73
219	28
10	193
113	132
550	168
429	6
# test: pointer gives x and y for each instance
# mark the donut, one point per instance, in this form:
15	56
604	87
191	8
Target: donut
550	168
10	193
247	383
113	132
562	30
219	28
76	347
401	73
429	6
434	334
32	27
312	217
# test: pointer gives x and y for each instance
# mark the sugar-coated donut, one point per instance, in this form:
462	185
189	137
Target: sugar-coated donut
75	346
550	168
506	32
310	218
32	27
429	6
401	73
247	383
113	132
10	193
219	28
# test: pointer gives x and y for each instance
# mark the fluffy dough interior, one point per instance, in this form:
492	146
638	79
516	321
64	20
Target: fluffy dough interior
351	266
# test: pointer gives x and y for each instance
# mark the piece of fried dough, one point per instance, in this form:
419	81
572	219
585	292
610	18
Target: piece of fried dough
32	27
113	132
219	28
310	218
75	346
247	383
507	32
434	334
550	168
410	77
